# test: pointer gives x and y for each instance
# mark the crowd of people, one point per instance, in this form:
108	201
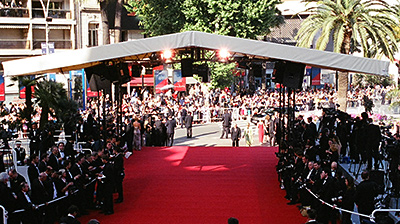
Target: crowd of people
309	163
58	169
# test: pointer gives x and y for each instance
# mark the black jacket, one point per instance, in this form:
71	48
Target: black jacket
170	124
188	121
236	133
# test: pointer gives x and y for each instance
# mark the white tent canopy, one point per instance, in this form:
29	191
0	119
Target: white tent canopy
139	49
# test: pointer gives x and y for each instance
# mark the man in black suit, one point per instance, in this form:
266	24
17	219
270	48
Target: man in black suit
15	180
108	186
226	124
33	169
170	124
235	136
189	124
366	192
54	159
119	174
310	134
34	136
7	198
183	116
374	140
44	158
40	195
159	129
326	191
311	217
71	217
24	201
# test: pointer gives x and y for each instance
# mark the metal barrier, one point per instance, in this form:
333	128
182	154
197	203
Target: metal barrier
4	214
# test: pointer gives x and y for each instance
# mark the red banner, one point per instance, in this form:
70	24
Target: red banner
2	88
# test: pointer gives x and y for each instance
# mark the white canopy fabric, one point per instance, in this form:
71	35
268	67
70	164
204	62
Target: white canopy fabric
138	49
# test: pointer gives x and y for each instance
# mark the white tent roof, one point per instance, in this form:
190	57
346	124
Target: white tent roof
139	49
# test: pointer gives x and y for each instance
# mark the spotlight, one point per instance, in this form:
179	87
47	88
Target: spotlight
167	54
223	54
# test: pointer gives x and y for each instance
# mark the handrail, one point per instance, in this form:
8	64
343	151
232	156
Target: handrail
4	213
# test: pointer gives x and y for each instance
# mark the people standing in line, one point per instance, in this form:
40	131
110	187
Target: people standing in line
248	135
189	124
365	194
170	125
236	134
261	131
226	124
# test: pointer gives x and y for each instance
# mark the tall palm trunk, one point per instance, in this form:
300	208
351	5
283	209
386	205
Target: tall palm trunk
343	80
28	101
104	22
117	23
44	117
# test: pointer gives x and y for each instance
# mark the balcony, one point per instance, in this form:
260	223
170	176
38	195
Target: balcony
53	13
58	44
13	44
14	12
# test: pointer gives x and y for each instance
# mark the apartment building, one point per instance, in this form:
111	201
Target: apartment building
70	25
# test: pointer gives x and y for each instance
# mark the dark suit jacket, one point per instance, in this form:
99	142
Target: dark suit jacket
236	133
53	162
39	192
33	173
366	191
188	121
42	166
227	119
69	220
170	124
6	198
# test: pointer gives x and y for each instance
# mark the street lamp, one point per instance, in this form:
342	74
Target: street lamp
47	20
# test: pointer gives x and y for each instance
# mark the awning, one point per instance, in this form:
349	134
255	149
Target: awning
148	81
142	48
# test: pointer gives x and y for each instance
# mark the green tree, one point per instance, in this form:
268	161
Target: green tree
28	82
367	26
238	18
50	96
159	17
367	80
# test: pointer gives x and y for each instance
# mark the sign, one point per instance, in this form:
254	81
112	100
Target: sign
160	79
2	88
44	48
179	81
315	74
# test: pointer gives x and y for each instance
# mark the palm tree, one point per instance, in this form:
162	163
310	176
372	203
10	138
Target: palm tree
28	82
365	26
49	96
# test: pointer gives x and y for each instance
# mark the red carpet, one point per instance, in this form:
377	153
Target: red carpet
201	185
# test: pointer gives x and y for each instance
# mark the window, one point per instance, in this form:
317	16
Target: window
93	34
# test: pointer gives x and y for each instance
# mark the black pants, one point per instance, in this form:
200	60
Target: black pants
225	131
189	132
170	139
235	142
34	148
119	188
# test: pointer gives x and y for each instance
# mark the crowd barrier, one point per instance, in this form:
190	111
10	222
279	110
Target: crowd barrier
4	214
370	217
